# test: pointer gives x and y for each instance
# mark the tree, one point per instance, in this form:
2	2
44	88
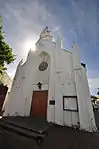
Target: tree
6	55
94	102
98	91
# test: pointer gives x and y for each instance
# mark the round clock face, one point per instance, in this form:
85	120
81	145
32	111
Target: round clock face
43	66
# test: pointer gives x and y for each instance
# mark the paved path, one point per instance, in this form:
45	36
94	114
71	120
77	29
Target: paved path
58	138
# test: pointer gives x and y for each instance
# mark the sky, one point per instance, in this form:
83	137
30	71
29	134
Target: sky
75	20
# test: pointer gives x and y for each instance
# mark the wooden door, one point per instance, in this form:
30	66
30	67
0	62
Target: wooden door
39	104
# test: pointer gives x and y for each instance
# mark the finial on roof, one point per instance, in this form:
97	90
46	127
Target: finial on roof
45	32
75	45
59	40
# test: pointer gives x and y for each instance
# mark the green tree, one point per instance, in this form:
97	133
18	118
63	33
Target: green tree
98	91
6	55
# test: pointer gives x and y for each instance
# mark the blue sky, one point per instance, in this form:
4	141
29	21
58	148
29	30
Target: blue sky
76	20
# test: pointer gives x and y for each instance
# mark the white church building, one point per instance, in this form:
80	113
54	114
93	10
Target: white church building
52	84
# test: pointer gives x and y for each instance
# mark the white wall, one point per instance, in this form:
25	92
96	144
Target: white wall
86	116
64	86
25	81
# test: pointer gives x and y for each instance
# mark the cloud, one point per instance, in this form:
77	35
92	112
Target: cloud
23	22
94	83
76	20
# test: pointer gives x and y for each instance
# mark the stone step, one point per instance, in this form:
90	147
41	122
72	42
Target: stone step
21	131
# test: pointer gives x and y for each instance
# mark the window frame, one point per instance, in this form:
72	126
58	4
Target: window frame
64	109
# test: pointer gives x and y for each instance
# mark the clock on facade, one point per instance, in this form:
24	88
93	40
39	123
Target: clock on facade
43	66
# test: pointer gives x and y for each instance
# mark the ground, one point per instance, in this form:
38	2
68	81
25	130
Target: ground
54	136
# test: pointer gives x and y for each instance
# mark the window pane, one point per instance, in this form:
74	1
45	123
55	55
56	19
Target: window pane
70	104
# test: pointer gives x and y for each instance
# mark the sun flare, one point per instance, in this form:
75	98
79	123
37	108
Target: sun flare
30	44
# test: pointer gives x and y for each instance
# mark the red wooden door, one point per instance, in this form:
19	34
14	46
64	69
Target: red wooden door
39	104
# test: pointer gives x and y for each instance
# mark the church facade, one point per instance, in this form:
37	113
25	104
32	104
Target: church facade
52	84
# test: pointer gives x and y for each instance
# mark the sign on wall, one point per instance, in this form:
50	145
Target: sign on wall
70	103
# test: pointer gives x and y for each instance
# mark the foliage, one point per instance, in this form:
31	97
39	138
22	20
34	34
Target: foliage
94	100
6	55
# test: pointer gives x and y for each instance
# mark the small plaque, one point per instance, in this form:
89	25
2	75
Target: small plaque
52	102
